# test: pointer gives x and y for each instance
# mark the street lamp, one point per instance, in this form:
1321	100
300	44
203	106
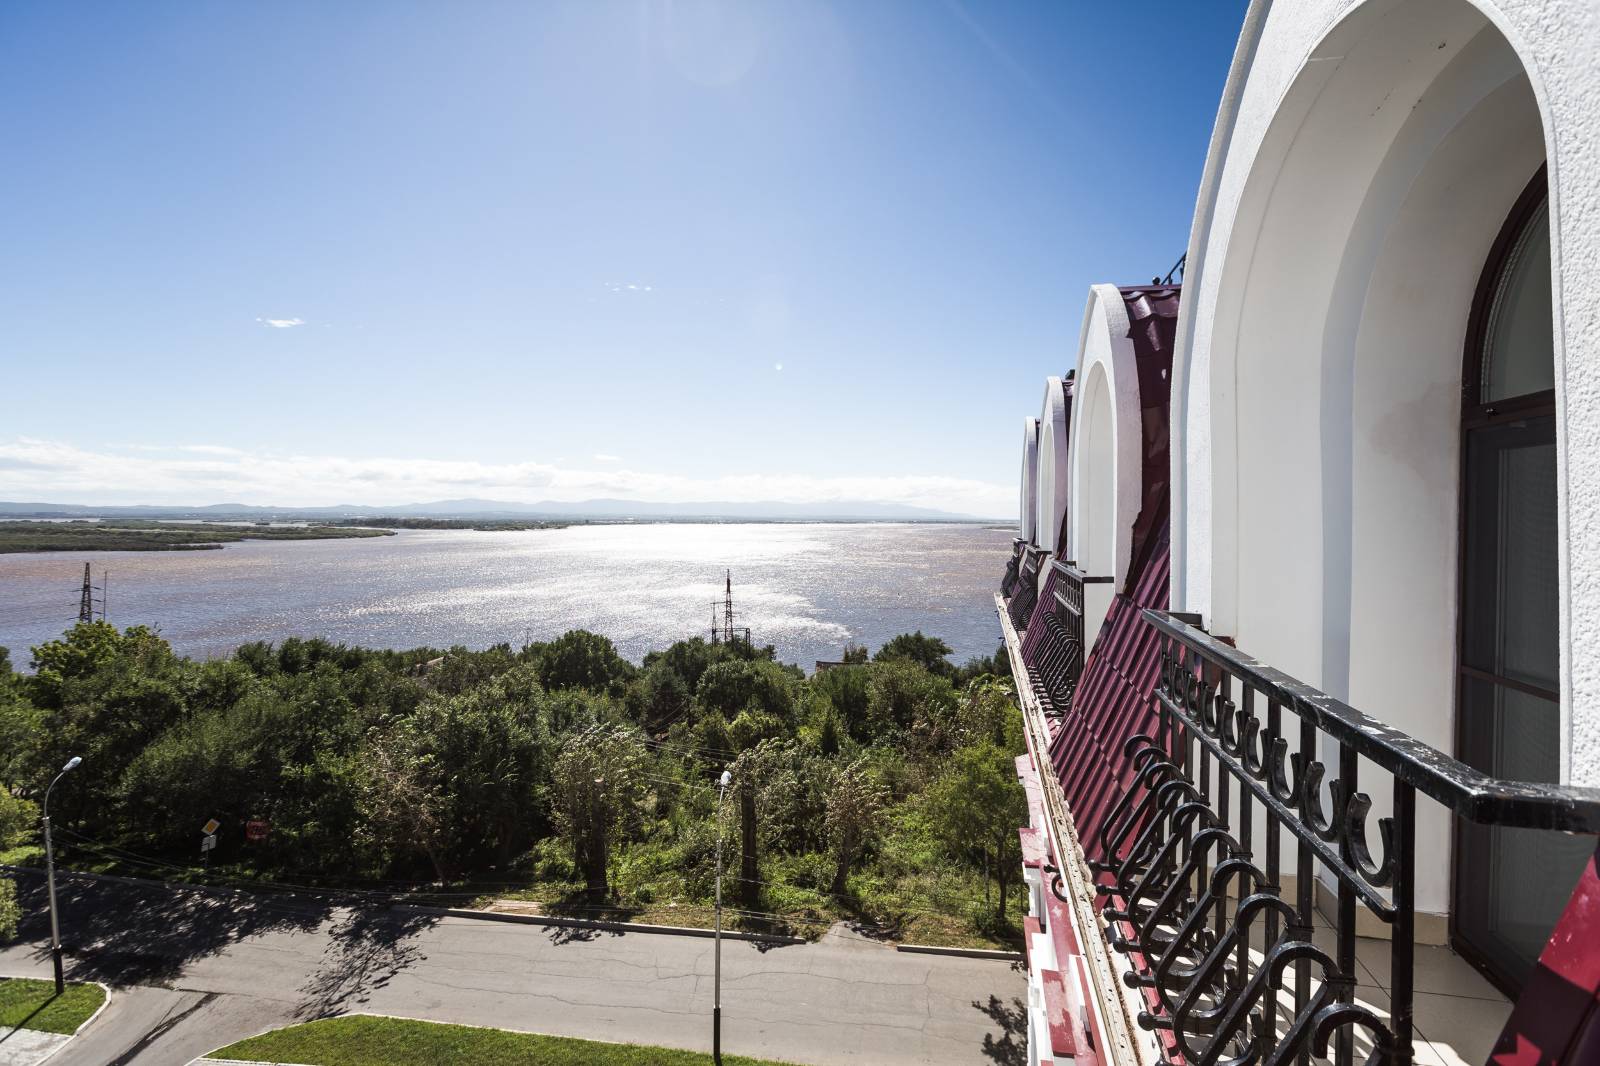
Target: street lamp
716	994
50	875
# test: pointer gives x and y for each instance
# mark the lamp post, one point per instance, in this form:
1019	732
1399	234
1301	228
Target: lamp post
50	875
716	985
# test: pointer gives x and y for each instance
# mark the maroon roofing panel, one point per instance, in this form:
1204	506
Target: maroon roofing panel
1556	1020
1152	326
1115	700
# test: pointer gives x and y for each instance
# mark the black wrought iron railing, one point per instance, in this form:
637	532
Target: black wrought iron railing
1058	649
1020	604
1008	584
1251	777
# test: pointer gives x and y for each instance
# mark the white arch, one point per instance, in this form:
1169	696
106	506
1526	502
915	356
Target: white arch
1030	479
1054	470
1316	419
1106	457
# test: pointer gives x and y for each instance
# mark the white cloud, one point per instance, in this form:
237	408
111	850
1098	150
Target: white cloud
602	457
777	366
54	471
282	323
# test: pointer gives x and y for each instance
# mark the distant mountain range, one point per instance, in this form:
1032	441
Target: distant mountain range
605	510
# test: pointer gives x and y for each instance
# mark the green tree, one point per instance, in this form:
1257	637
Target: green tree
598	786
402	801
977	805
104	695
727	688
580	659
988	712
906	702
19	724
845	689
754	778
18	818
663	696
10	910
855	808
930	653
491	756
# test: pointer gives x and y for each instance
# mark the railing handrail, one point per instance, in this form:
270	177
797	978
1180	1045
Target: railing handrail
1467	791
1070	569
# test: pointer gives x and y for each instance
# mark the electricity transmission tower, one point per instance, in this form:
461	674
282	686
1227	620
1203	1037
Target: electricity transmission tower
726	633
86	600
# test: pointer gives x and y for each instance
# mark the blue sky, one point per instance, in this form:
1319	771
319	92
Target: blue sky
308	253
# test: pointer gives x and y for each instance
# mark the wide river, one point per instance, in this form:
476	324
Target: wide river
808	589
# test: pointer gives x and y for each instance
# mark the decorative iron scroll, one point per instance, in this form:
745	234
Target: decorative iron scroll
1252	777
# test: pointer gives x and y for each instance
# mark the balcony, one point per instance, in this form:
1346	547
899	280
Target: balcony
1229	855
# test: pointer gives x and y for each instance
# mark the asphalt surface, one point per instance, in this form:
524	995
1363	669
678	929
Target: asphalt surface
193	971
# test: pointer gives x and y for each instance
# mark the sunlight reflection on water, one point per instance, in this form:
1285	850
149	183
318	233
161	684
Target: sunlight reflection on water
805	588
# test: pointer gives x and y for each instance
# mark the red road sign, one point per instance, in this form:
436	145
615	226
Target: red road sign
256	829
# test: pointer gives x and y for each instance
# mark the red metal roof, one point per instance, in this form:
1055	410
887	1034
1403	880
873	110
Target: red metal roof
1115	699
1153	327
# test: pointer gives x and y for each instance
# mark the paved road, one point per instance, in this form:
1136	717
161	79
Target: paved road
194	971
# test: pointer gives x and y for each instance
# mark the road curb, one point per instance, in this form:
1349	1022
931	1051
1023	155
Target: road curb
595	923
963	953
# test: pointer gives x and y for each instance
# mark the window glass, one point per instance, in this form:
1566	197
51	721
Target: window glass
1518	347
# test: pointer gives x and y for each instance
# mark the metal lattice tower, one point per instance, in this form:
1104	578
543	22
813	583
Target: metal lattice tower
86	601
724	631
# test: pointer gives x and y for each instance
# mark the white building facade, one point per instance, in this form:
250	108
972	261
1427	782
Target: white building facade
1380	553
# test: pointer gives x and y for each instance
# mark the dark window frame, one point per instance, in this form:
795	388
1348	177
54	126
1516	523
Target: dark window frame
1476	415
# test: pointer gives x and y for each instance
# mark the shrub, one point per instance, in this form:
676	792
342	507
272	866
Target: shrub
10	910
18	817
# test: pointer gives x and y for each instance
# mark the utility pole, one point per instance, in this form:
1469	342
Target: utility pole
716	994
86	600
727	610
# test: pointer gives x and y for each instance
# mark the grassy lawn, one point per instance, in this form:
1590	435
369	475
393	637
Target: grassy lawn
361	1040
30	1004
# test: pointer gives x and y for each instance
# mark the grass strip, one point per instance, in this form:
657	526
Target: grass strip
365	1040
29	1004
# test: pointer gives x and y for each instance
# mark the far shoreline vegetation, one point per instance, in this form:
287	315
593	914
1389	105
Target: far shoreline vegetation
147	536
137	534
34	534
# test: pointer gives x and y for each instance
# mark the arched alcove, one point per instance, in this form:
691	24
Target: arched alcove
1335	354
1029	491
1054	471
1106	430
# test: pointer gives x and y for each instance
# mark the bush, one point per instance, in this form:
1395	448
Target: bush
10	910
18	817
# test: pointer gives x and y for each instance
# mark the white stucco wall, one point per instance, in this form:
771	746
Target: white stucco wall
1054	470
1365	157
1029	489
1107	448
1106	452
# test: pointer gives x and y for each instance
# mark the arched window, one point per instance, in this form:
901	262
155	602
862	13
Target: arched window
1511	883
